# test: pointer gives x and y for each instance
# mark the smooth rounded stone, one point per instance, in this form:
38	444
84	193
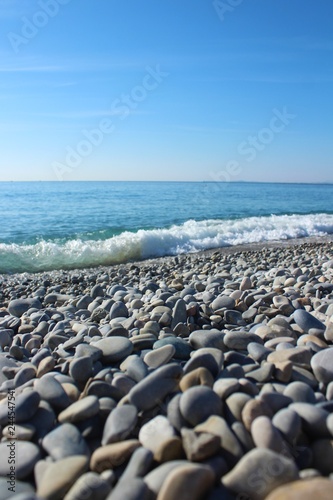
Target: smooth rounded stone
80	369
208	357
230	446
59	477
283	371
262	374
90	486
6	337
199	376
240	340
123	383
322	452
103	389
260	472
113	455
18	307
299	355
64	441
201	446
26	405
133	489
207	338
134	367
80	410
283	304
22	432
153	389
300	392
88	350
246	284
179	313
158	475
188	482
174	415
21	488
198	403
182	348
232	317
258	352
322	365
307	321
46	365
118	310
159	357
244	436
155	432
253	409
52	391
265	435
273	343
275	400
223	302
313	419
114	349
234	405
300	374
224	387
26	373
21	453
119	424
305	489
139	464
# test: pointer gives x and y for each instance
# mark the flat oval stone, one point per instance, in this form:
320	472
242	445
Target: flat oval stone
152	390
253	409
260	472
157	476
313	419
119	424
182	348
207	338
240	340
187	482
306	489
289	423
322	365
18	307
199	403
114	349
113	455
52	391
64	441
60	476
90	486
307	321
80	369
161	356
26	405
208	357
25	455
265	435
139	465
80	410
298	355
223	302
300	392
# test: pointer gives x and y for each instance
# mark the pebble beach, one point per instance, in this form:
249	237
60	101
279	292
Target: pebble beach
201	376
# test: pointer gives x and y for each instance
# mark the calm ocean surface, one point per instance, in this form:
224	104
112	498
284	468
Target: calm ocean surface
65	225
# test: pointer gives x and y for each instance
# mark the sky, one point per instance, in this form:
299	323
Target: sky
181	90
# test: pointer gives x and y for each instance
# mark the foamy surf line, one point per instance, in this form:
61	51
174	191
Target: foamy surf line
192	236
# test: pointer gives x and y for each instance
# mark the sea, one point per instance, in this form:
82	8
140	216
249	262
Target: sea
67	225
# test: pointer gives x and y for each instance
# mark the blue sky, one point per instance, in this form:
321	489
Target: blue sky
166	90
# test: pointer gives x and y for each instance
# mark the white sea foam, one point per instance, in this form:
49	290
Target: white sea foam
188	237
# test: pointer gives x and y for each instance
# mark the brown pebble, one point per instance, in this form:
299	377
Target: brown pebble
199	376
113	455
253	409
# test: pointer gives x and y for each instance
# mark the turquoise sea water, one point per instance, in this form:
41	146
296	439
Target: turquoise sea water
64	225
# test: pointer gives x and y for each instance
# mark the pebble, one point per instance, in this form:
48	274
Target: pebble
198	403
80	410
22	454
119	424
259	472
308	489
125	378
